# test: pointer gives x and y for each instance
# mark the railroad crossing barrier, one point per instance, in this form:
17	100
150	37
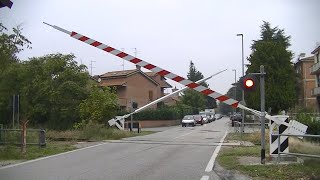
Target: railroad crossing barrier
164	73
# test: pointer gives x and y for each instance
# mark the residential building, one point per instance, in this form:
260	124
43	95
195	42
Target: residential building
135	86
172	100
306	82
315	70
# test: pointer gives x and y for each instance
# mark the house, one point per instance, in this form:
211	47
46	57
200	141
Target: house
306	82
172	100
315	70
135	86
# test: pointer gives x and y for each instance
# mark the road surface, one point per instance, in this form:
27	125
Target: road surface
176	153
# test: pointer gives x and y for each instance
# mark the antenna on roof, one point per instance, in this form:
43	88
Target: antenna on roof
91	67
122	60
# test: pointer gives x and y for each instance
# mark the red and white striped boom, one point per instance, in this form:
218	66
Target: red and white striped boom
151	67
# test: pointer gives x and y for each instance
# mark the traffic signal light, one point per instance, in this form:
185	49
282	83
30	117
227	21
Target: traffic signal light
248	82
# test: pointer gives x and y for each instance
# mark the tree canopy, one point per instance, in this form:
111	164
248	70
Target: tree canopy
51	87
271	50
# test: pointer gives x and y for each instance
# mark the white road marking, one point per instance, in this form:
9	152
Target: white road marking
215	153
190	132
47	157
183	135
204	178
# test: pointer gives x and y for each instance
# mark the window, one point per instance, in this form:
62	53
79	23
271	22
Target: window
150	95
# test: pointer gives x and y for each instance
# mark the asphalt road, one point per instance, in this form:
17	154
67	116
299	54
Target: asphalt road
176	153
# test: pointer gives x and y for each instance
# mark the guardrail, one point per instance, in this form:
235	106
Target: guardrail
295	154
14	136
237	126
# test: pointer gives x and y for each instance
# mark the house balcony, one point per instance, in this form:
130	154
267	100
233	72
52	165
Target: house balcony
315	69
315	91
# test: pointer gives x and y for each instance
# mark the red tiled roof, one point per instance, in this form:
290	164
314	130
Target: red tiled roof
118	73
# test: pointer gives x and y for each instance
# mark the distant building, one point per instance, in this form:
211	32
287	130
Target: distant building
315	70
306	83
135	86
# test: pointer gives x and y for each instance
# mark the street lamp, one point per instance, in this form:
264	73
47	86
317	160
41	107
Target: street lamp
242	76
235	85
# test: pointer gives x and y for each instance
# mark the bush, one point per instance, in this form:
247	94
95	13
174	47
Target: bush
164	113
312	123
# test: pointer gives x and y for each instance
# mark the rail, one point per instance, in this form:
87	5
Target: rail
295	154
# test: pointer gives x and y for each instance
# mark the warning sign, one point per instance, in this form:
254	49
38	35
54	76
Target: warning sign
275	129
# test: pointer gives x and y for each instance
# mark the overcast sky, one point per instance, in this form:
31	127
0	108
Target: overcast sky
166	33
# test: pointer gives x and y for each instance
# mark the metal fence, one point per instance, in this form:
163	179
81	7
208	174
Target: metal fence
14	137
295	154
248	127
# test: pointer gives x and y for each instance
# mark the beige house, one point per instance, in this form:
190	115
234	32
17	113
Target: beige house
315	70
306	83
135	86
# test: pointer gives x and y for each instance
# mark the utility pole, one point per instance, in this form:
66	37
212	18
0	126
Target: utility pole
243	101
135	52
91	67
13	109
262	117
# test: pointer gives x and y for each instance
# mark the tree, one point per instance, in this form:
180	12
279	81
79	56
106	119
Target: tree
100	106
54	86
271	50
193	98
11	45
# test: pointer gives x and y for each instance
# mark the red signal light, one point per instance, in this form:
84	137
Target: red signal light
249	83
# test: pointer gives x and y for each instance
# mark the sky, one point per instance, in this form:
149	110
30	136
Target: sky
166	33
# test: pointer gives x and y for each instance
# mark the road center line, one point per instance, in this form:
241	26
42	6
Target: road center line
204	178
215	153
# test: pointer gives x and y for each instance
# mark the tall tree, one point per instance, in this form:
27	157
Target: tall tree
271	50
193	98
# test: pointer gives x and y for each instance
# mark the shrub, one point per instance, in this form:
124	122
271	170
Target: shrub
164	113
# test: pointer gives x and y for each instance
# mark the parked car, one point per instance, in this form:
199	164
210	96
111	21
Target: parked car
199	119
217	116
235	118
188	119
205	116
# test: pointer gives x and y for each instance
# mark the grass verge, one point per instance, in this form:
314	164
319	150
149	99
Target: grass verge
310	169
10	152
69	137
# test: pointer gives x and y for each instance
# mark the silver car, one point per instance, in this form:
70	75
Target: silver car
188	119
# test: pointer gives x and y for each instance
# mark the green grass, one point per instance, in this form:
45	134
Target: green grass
310	169
255	137
10	152
93	133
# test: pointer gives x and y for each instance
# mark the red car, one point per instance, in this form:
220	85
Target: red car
199	119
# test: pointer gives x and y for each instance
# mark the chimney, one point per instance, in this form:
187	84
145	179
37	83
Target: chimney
138	67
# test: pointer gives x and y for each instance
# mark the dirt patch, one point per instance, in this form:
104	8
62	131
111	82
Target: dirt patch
242	143
229	174
246	160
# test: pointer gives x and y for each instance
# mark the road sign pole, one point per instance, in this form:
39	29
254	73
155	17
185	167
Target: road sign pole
262	117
